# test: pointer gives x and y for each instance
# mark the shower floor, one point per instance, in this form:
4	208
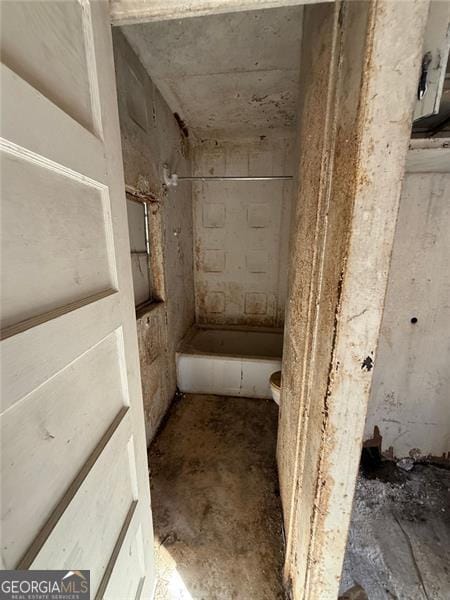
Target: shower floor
215	501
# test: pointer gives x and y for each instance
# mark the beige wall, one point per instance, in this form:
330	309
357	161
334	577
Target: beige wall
241	232
150	138
410	398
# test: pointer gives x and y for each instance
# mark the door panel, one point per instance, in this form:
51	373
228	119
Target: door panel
88	537
48	437
53	30
64	224
75	491
19	378
125	581
26	115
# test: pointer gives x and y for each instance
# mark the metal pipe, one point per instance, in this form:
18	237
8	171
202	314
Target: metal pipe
147	229
231	178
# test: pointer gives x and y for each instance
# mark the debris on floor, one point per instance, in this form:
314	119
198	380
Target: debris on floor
407	464
215	501
354	593
399	538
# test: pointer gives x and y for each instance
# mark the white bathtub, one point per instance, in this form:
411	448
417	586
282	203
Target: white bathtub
229	362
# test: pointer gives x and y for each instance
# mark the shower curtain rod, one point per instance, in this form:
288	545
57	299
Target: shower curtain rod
232	178
172	179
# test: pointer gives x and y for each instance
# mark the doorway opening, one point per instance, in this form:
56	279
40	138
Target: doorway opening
208	108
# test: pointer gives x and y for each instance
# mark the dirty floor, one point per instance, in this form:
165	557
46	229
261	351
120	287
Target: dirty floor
215	501
399	539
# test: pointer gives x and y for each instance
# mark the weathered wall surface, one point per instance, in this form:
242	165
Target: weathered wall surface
150	138
353	143
241	232
410	398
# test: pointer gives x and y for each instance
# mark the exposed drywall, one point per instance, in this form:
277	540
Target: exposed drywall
150	138
241	232
354	138
236	73
411	384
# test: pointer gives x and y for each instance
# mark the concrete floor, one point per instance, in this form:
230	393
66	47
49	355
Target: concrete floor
215	501
399	538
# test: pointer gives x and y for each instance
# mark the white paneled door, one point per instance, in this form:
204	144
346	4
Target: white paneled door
74	479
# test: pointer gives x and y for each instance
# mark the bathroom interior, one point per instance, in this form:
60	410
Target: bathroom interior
208	114
224	165
207	109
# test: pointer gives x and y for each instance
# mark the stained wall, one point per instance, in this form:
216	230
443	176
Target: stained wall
241	231
150	138
410	397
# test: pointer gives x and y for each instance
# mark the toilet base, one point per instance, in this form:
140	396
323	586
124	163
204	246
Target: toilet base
275	386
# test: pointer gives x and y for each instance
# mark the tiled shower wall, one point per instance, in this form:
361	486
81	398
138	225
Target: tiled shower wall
241	232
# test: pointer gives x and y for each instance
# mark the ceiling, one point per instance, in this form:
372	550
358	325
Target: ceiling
227	75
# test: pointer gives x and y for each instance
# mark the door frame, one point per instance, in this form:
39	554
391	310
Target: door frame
349	183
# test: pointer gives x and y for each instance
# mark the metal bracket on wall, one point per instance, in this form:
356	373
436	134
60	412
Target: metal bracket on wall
170	180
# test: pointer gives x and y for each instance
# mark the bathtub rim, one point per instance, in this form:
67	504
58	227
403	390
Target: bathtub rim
199	353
